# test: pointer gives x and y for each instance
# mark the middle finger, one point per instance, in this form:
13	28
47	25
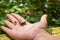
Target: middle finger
13	20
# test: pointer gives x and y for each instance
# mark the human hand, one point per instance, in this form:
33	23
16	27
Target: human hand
25	31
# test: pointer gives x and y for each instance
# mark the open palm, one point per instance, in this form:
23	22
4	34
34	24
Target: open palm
20	29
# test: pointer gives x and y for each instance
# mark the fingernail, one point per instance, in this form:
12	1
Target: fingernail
7	14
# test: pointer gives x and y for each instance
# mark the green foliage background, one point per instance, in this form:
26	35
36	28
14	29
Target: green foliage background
31	10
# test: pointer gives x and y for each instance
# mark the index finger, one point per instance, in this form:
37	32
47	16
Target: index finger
20	18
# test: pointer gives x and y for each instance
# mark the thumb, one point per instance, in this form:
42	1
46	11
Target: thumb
43	21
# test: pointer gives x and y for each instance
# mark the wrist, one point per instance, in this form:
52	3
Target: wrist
43	35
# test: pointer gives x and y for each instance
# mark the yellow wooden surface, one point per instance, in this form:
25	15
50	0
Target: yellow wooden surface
56	31
4	37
